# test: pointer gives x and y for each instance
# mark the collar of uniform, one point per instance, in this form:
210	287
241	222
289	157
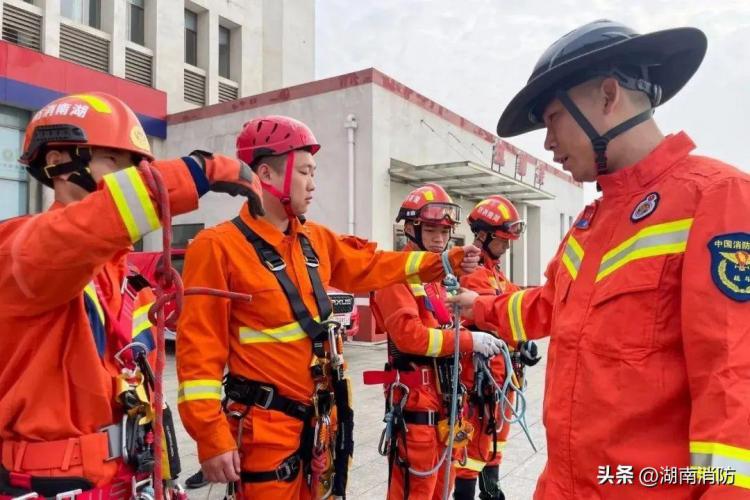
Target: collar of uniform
489	262
411	247
672	149
263	228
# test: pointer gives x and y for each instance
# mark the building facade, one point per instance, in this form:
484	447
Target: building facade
159	56
195	71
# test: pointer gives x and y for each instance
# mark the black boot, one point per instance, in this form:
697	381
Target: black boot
464	489
489	483
195	481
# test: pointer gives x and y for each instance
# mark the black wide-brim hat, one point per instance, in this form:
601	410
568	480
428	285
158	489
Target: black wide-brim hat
672	57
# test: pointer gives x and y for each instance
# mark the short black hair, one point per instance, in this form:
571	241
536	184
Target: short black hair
276	162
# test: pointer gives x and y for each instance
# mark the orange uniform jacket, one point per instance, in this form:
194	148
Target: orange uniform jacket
260	340
488	281
53	383
400	310
646	305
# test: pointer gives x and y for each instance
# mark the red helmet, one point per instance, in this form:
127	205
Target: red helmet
430	204
497	215
92	119
275	135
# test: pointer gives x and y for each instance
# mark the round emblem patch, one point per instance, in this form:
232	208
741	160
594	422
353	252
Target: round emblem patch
138	138
645	208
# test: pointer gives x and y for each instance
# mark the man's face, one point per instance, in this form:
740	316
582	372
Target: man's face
107	161
103	161
497	247
302	184
435	237
568	142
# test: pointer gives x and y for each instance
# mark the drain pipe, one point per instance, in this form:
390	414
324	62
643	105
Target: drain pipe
350	125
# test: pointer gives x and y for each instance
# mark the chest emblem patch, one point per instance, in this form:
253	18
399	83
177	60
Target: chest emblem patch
645	208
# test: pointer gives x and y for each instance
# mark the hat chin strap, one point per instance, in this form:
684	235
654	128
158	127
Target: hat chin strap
284	196
600	141
77	167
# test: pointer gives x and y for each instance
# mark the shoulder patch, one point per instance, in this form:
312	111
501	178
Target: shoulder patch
730	264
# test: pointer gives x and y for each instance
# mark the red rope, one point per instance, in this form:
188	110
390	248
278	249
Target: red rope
167	279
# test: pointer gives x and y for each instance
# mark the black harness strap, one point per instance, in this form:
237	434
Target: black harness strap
273	261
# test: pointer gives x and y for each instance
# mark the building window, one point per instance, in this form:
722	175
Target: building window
191	37
136	21
87	12
14	186
224	38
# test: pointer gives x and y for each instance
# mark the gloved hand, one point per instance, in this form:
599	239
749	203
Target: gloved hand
485	343
231	176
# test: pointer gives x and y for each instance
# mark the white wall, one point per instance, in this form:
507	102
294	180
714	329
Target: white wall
288	42
326	115
388	127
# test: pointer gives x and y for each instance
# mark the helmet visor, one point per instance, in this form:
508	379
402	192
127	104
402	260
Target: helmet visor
437	213
515	228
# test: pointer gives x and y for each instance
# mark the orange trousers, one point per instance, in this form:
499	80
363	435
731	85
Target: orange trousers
268	439
422	450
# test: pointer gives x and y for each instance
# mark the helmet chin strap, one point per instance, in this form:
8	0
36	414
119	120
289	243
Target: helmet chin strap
284	196
486	248
77	167
600	141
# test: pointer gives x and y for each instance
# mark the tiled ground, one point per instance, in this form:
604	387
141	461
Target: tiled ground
368	475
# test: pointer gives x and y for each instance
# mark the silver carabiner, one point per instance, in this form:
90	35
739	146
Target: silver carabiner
139	345
404	396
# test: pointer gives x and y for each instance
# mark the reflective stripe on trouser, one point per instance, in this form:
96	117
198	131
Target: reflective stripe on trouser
479	450
710	457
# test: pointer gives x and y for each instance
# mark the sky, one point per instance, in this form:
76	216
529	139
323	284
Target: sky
472	56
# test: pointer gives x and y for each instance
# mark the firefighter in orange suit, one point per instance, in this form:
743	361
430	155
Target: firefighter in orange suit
417	379
282	362
70	303
646	301
495	222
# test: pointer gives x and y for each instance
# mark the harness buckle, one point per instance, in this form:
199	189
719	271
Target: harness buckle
287	470
275	265
266	391
114	439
